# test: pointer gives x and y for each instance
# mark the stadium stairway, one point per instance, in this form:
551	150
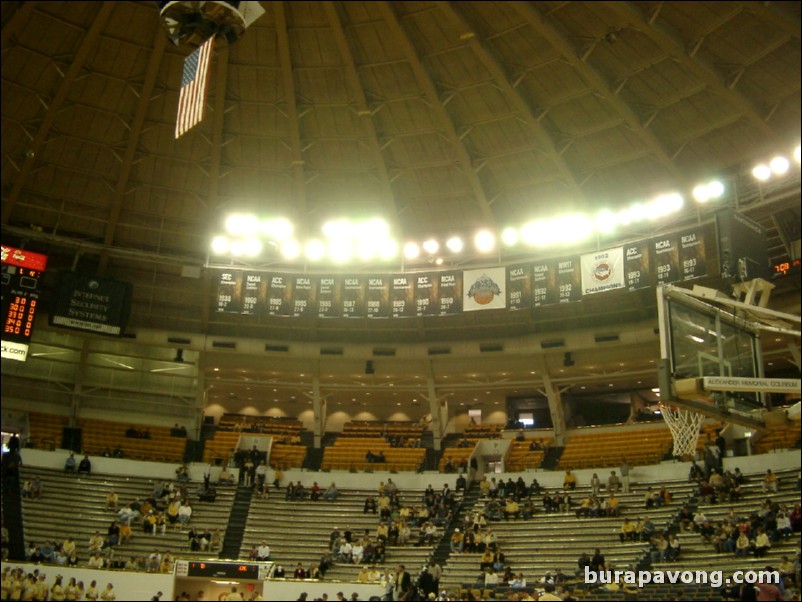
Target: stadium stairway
236	523
552	458
12	515
313	459
469	500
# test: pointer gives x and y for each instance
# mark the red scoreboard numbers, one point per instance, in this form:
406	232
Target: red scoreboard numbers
21	273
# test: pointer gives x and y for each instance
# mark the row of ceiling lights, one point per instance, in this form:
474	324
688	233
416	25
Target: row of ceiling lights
346	241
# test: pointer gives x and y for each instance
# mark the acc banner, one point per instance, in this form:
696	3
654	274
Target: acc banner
485	289
603	271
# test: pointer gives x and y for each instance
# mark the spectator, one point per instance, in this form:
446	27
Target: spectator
613	483
624	475
769	482
85	466
330	494
70	464
569	482
263	551
112	500
184	513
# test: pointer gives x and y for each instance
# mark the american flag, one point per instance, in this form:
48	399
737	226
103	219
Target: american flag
193	87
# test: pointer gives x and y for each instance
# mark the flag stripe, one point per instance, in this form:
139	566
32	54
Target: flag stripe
192	100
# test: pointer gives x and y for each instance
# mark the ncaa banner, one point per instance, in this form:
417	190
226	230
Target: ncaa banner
603	271
485	289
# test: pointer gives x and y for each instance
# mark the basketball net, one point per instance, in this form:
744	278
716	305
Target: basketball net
684	425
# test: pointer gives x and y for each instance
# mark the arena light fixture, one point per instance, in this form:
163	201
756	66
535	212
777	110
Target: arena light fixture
455	244
509	236
797	154
761	172
290	249
779	165
431	246
411	250
484	241
315	250
242	224
220	245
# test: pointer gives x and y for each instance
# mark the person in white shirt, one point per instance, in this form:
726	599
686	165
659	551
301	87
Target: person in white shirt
184	513
263	551
491	578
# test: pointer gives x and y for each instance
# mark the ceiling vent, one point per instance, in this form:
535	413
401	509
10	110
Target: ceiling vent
224	344
607	338
552	344
439	350
491	347
178	341
384	352
278	348
331	351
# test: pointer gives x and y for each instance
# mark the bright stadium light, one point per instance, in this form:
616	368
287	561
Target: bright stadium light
797	154
779	165
411	250
242	224
761	172
220	245
509	236
484	241
431	246
454	244
315	250
290	249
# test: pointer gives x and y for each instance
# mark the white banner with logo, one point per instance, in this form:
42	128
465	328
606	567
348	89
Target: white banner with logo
603	271
485	289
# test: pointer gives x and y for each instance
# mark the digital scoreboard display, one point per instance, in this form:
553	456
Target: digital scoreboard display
21	274
228	570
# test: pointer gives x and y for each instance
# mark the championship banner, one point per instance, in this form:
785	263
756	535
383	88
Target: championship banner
692	256
328	297
403	296
603	271
569	285
544	283
304	296
449	295
279	295
229	291
353	296
378	297
254	294
666	258
426	301
484	289
638	265
519	287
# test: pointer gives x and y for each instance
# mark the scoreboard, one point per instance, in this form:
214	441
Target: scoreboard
223	569
21	274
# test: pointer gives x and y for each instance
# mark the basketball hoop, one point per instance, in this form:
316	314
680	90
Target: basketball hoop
684	425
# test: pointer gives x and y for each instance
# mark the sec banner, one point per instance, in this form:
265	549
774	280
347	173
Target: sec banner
603	271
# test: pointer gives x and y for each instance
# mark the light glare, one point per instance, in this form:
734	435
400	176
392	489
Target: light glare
431	246
484	241
779	165
411	250
220	245
315	250
509	236
454	244
761	172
